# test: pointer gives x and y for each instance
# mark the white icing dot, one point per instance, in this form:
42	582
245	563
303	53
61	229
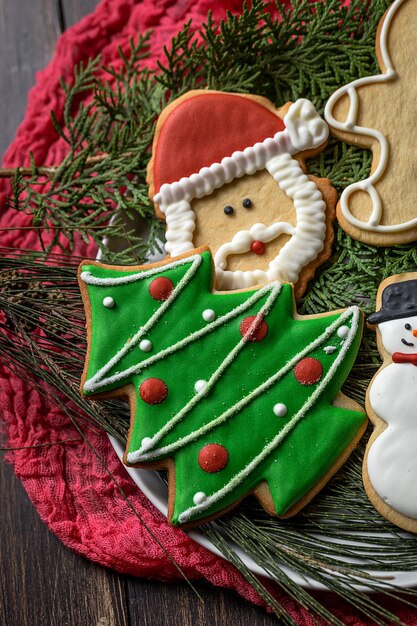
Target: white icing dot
343	332
199	497
108	302
200	386
329	349
209	315
145	345
146	443
280	409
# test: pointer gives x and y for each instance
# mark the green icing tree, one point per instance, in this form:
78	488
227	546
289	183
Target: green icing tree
231	392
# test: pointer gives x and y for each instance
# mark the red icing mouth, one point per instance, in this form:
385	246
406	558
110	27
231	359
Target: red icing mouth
258	247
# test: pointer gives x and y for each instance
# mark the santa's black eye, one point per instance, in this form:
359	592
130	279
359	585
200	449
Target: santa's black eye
247	203
407	326
229	210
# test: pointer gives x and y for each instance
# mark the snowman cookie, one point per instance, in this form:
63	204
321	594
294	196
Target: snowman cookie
378	112
390	465
228	171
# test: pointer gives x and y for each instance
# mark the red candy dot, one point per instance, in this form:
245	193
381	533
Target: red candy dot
161	288
308	371
153	391
258	247
258	331
213	458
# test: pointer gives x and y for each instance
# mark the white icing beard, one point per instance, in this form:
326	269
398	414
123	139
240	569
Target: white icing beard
240	244
306	242
307	236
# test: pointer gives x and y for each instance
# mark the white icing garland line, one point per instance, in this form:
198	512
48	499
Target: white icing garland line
137	368
246	471
89	279
139	455
307	237
349	125
92	383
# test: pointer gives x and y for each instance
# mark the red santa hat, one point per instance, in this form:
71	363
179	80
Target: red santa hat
205	139
203	127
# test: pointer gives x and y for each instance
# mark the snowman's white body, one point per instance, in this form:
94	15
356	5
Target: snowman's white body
392	458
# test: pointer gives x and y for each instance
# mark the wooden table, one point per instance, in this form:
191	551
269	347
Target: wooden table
42	583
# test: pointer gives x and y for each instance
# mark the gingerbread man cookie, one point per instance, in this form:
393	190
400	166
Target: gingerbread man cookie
228	171
378	112
390	465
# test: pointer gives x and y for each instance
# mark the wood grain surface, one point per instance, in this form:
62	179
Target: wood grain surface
42	583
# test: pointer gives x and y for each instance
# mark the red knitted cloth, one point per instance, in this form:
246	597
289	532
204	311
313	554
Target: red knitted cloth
70	489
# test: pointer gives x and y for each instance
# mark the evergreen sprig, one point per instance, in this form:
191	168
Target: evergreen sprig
42	333
108	135
339	540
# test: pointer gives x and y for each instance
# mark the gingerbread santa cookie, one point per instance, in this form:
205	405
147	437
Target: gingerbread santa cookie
390	465
378	112
232	392
228	171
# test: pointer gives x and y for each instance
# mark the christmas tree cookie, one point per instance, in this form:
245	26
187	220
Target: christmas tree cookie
390	465
232	392
228	171
378	113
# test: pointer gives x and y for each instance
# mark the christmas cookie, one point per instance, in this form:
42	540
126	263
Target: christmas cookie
233	392
390	465
228	171
378	113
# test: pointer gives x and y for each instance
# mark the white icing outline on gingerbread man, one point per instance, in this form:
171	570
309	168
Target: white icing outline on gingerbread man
367	185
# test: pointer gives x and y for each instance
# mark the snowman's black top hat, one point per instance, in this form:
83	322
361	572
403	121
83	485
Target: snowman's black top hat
398	300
